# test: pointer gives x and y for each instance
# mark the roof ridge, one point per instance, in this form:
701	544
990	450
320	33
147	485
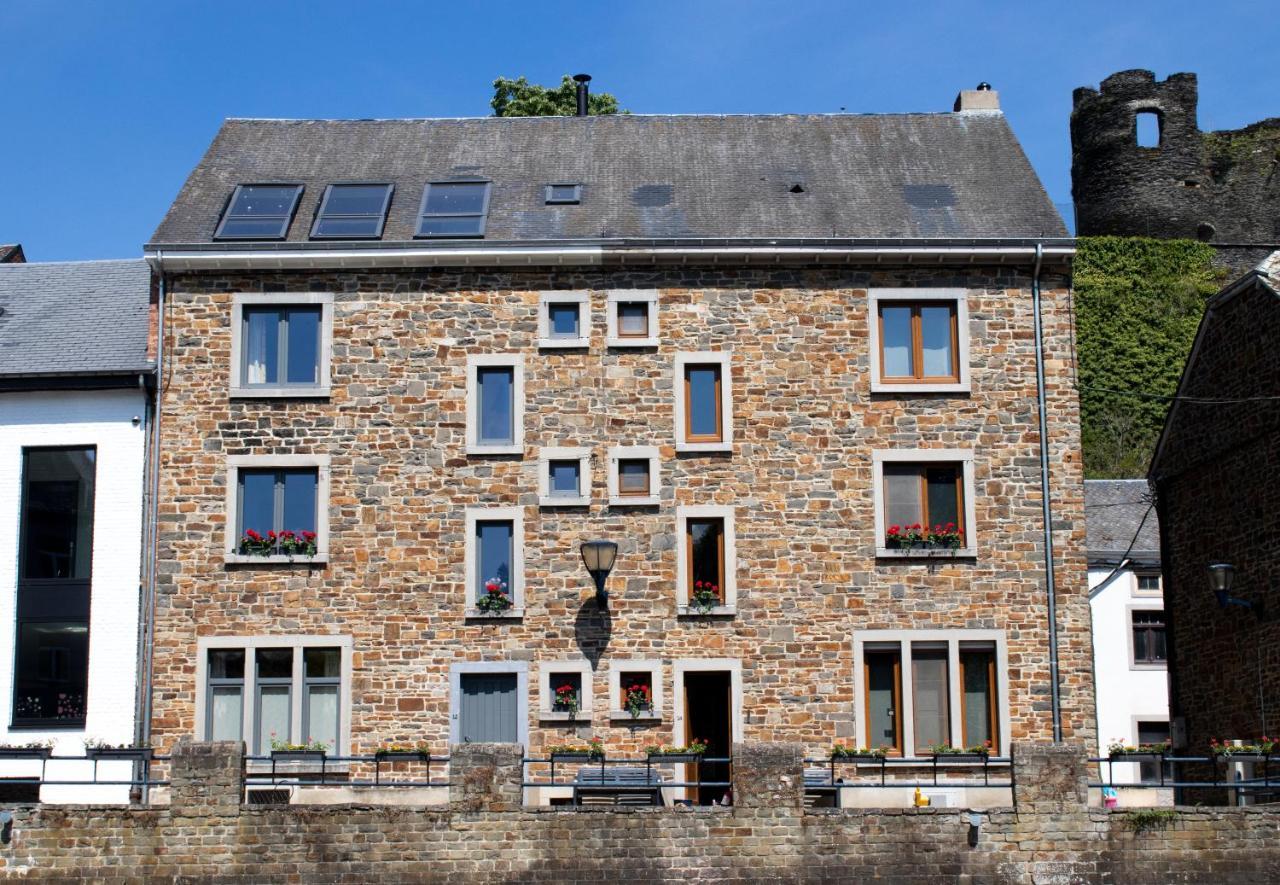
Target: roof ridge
815	114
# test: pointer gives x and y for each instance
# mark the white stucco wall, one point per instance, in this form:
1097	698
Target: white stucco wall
81	418
1125	694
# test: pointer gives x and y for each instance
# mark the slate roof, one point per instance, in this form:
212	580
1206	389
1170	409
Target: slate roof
953	175
1113	510
74	318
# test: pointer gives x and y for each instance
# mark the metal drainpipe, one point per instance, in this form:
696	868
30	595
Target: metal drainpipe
1044	495
149	608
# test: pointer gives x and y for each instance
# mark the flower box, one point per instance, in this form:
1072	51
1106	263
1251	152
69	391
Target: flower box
870	758
298	755
574	756
1136	756
25	752
960	757
421	755
142	754
675	757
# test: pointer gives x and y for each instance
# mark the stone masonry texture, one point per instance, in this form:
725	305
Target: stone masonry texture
205	835
800	479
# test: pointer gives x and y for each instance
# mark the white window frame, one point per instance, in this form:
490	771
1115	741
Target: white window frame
546	698
958	297
1145	603
545	457
634	453
903	639
653	667
250	645
485	514
648	297
521	671
1138	592
475	362
963	457
236	463
685	513
725	360
547	341
241	300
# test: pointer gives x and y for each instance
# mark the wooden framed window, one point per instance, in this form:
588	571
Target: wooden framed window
882	682
702	400
633	477
1149	645
978	698
704	552
924	497
931	696
631	319
919	342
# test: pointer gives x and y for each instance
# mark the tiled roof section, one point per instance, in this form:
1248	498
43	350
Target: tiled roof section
74	318
11	253
960	175
1113	511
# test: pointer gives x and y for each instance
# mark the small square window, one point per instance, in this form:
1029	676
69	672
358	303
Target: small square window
564	320
565	691
352	211
564	194
632	320
637	682
453	209
259	212
565	479
920	341
1148	585
633	476
1149	648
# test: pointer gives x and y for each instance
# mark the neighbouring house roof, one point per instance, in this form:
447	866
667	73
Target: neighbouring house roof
74	318
948	175
12	254
1114	511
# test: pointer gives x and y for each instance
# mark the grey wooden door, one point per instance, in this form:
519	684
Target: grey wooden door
489	708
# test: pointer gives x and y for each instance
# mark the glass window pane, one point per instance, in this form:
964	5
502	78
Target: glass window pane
322	663
260	345
52	671
944	504
304	346
1140	650
254	228
57	513
257	501
226	663
322	715
356	199
497	404
493	546
1158	650
562	193
633	319
935	334
979	696
895	342
706	554
226	716
348	227
929	691
456	197
273	716
565	479
563	320
704	403
259	200
299	501
633	476
901	494
883	692
274	663
451	226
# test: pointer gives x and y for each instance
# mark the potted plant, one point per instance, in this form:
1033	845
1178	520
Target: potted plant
706	596
1141	753
301	543
97	749
637	699
420	750
868	754
690	752
31	750
1259	750
289	543
495	600
592	752
307	751
566	699
943	536
977	753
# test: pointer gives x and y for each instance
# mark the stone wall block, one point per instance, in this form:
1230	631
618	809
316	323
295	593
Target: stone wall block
767	775
207	777
1049	778
486	777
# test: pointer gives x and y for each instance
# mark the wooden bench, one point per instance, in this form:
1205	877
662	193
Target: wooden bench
616	786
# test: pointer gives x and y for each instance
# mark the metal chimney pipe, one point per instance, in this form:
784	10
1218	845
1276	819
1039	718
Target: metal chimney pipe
582	80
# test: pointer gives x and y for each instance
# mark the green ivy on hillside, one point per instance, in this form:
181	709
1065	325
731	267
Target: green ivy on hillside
1138	302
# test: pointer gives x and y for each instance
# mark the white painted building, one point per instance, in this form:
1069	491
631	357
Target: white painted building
75	378
1127	608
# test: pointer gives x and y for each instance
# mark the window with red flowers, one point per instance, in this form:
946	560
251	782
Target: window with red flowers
277	511
637	693
924	505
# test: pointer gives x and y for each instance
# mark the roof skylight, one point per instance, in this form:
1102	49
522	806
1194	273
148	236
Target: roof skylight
453	209
352	211
564	193
259	212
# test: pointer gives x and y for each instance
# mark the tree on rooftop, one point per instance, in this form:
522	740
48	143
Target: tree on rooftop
520	98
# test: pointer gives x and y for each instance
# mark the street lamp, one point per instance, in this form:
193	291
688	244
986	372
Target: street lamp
598	556
1221	577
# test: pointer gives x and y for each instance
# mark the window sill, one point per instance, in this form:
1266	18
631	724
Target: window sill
623	715
953	387
274	559
495	450
635	501
716	611
564	343
280	392
554	501
619	343
926	553
515	613
564	716
704	447
1157	668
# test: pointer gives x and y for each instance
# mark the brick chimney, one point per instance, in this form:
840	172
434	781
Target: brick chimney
984	98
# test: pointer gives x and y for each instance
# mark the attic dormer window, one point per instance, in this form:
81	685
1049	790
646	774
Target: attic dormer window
259	212
352	211
453	209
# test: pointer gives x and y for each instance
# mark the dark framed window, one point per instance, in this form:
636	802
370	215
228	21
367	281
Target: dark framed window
281	346
564	194
259	212
1148	583
321	680
352	211
634	477
453	209
277	500
55	559
704	547
927	495
224	698
495	393
703	412
273	705
919	342
495	555
1149	637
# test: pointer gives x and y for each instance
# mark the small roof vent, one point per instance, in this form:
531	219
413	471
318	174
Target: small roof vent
797	188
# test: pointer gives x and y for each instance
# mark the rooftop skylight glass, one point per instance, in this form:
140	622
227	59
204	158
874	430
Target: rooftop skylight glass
352	211
454	209
259	212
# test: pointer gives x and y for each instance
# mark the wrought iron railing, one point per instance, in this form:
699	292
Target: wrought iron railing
587	775
884	772
1192	772
378	771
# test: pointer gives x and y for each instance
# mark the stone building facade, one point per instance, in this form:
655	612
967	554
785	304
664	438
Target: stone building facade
810	584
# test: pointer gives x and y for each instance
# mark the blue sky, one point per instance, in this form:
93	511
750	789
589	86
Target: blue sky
108	105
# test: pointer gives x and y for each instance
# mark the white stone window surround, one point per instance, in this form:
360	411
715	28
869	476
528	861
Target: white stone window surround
963	457
959	297
684	513
617	667
953	639
236	463
250	644
485	514
556	453
724	359
681	666
240	301
1145	603
546	340
647	297
521	671
515	362
635	453
547	670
